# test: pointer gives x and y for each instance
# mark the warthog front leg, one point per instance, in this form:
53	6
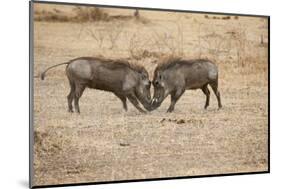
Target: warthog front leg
175	95
124	100
133	99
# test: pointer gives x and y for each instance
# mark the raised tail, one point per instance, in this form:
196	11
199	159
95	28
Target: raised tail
44	73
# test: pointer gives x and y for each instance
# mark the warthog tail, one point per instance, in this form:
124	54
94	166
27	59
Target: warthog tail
44	73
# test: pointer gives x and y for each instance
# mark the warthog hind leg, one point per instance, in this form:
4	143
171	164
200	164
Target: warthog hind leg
214	86
70	96
207	93
79	89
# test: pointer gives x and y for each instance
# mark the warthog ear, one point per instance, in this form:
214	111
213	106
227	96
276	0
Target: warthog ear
156	83
144	75
148	85
162	76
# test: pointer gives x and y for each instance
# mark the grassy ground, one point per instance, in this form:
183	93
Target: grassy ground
105	143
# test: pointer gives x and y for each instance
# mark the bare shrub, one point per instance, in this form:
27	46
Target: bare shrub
85	14
169	41
106	35
231	46
240	40
138	48
97	35
226	18
134	48
80	14
218	17
113	34
154	43
213	45
50	16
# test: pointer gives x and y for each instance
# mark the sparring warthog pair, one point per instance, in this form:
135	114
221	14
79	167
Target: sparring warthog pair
127	80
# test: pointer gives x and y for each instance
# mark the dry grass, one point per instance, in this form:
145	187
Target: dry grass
105	143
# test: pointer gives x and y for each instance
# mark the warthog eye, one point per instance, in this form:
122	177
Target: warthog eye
148	85
156	83
143	77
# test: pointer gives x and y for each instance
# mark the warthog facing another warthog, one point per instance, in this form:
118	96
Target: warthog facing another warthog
174	75
120	77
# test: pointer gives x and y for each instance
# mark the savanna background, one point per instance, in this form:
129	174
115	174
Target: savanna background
105	143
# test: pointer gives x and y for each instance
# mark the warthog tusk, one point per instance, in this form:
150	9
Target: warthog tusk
154	100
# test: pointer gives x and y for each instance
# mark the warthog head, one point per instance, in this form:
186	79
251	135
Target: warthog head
160	89
143	90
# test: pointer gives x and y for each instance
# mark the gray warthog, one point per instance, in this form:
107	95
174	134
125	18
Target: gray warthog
124	79
174	76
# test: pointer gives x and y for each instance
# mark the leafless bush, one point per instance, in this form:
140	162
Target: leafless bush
135	50
85	14
157	43
106	36
173	42
239	38
226	17
138	48
113	34
164	41
98	36
50	16
216	46
80	14
212	45
218	17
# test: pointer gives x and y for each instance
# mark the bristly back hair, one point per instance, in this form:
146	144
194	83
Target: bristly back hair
171	61
117	63
167	61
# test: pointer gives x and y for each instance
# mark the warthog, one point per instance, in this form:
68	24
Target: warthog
124	79
174	76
